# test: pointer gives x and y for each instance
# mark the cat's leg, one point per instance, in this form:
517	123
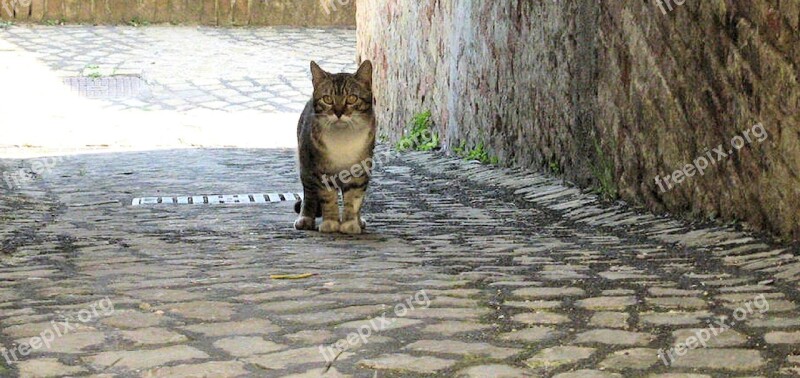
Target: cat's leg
329	201
353	199
308	210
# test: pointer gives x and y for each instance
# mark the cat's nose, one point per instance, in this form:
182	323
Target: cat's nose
338	113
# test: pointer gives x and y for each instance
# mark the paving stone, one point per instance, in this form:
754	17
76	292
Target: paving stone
292	357
775	305
448	313
534	305
462	348
442	301
317	336
724	339
541	317
450	328
687	303
721	359
638	358
202	310
144	359
319	372
609	320
774	322
69	343
153	336
745	297
244	327
133	319
618	292
380	324
165	295
674	318
606	303
295	305
671	292
35	329
493	371
531	335
614	337
405	362
245	346
549	292
625	273
586	373
332	316
206	369
552	358
46	367
782	337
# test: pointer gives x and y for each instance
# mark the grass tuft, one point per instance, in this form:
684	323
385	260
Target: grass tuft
478	153
421	136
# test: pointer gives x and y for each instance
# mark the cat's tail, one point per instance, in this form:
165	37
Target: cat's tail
299	205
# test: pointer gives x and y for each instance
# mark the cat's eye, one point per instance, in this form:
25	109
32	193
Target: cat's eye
351	100
327	100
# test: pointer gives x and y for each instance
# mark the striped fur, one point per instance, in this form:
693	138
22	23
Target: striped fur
336	139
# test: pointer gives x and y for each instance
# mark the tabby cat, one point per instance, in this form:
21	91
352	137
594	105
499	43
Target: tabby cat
335	143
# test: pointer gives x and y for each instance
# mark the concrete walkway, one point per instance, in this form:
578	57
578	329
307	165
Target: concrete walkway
465	270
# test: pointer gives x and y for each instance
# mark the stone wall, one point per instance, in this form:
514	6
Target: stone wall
316	13
610	94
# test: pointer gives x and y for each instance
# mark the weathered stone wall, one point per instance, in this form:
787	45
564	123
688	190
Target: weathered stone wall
317	13
608	93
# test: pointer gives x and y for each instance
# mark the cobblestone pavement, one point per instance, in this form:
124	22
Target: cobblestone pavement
187	68
497	273
466	270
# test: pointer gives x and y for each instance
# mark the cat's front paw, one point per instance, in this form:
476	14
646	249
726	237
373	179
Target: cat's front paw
305	223
352	227
329	226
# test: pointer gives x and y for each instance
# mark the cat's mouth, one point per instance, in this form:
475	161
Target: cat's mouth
340	123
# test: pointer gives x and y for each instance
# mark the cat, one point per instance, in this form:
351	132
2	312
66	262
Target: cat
335	147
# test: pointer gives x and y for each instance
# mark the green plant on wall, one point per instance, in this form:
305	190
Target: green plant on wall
421	137
136	22
554	167
478	153
603	171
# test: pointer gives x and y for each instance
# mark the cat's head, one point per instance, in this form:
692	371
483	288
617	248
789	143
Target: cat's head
343	99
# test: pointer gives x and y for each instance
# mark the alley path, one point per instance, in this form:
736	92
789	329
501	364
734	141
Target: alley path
466	270
542	278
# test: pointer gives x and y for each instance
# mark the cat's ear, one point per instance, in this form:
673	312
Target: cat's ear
317	74
364	73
